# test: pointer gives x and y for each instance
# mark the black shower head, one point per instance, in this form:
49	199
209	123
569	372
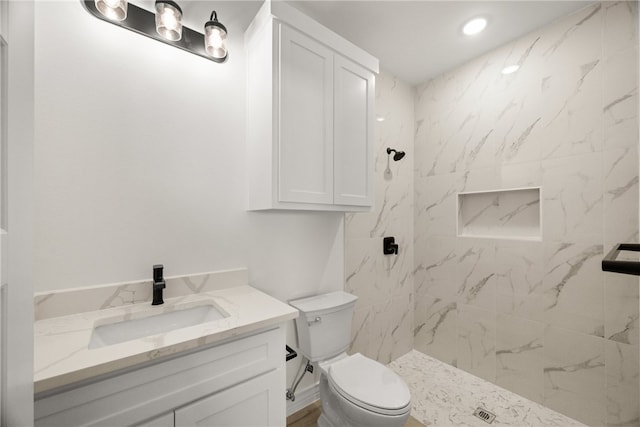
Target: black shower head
398	154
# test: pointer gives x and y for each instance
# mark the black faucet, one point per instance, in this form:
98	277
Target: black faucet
158	284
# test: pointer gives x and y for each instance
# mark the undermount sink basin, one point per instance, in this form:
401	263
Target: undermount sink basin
126	330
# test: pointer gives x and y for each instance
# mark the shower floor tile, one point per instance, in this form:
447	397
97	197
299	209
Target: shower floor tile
442	395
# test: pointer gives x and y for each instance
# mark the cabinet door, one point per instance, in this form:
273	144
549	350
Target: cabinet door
253	403
305	145
353	133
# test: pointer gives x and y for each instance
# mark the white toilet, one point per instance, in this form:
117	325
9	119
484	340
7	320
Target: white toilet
355	391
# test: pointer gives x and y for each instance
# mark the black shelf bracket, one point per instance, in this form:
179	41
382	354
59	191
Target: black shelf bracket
291	353
611	264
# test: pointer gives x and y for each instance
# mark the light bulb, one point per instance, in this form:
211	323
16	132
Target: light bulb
474	26
510	69
169	20
215	39
116	10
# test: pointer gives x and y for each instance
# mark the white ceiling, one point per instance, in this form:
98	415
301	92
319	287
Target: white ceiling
414	40
417	40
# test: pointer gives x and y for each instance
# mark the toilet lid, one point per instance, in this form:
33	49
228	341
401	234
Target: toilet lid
370	385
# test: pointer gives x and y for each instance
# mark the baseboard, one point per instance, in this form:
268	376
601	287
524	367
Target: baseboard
304	398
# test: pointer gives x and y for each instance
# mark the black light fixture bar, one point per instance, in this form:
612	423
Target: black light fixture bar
143	22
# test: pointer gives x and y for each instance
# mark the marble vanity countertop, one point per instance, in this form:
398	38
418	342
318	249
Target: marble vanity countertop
62	355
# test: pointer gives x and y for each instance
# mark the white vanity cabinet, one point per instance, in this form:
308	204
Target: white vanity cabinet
310	115
250	403
240	382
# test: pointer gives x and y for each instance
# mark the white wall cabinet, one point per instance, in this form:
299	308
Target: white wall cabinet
306	120
238	383
310	115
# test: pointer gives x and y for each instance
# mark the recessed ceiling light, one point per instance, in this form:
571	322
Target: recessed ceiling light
474	26
510	69
380	118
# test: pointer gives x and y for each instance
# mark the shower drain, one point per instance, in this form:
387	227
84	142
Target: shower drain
484	415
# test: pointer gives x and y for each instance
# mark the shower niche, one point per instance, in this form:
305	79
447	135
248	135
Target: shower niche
500	214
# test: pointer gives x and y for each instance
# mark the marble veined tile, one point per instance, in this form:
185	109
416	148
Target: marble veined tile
361	271
620	26
620	196
361	330
572	198
520	273
435	205
381	342
402	332
391	329
374	277
519	361
442	395
435	266
395	271
622	384
620	98
572	84
476	273
435	322
573	287
520	175
476	341
574	375
621	308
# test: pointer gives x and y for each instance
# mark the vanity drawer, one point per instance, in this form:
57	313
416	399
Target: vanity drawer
152	389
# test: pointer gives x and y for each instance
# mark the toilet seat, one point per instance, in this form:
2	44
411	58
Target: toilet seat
369	385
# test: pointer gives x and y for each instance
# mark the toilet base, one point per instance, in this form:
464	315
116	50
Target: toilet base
338	412
323	421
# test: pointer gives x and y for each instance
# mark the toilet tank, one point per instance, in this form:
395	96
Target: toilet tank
324	324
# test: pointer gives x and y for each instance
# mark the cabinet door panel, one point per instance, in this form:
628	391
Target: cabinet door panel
353	134
253	403
305	120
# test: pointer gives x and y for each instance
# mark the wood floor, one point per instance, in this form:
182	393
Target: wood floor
307	417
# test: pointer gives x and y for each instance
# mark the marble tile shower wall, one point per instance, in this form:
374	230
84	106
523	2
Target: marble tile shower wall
538	318
383	319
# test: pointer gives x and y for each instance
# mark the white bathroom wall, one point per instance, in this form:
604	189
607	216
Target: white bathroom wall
17	386
140	159
139	154
538	318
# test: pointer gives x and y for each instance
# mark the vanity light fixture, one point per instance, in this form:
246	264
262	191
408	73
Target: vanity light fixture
165	26
474	26
510	69
169	19
215	38
116	10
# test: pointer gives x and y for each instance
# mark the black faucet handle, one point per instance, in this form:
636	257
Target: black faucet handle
157	273
389	246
